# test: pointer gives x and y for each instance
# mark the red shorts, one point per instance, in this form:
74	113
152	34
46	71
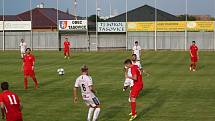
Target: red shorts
14	118
66	51
194	59
135	90
29	72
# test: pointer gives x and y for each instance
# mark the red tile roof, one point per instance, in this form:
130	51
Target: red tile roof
41	17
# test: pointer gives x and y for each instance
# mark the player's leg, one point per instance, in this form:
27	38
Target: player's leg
194	66
34	79
96	105
133	95
191	65
68	54
26	74
22	55
133	105
26	82
96	113
90	113
64	53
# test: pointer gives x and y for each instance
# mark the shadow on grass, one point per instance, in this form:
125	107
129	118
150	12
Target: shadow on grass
159	101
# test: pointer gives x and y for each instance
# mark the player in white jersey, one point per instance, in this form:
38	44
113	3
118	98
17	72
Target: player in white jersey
137	50
136	62
88	93
23	47
128	82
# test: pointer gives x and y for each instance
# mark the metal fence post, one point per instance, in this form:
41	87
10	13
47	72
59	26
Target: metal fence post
3	32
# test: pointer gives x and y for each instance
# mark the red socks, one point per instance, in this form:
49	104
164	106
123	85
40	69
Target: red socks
26	82
191	65
133	108
194	66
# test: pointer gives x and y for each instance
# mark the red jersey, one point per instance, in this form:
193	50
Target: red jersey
66	45
135	71
194	50
12	106
28	61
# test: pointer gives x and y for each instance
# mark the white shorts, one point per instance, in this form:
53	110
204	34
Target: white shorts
138	57
128	82
93	102
22	51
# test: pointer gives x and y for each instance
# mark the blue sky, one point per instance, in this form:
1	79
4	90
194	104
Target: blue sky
172	6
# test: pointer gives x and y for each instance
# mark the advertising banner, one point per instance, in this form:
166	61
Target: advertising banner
16	25
111	27
200	26
73	25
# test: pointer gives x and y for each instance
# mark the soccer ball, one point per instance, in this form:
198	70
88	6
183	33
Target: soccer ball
60	71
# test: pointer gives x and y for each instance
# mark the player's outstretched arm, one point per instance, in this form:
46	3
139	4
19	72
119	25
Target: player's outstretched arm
75	95
191	54
2	110
22	67
21	106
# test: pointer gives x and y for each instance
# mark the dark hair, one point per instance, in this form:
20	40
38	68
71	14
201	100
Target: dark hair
127	61
28	49
136	42
84	68
134	55
193	41
4	86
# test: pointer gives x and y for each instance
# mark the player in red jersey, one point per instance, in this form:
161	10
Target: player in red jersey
66	48
137	86
10	104
28	66
194	56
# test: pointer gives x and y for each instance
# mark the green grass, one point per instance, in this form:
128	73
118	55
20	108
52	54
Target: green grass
172	93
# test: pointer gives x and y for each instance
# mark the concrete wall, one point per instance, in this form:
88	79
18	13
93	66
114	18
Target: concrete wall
172	40
110	41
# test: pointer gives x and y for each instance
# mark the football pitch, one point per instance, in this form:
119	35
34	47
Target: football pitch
172	92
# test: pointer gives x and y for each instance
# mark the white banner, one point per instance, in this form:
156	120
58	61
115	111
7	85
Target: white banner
1	25
15	25
73	25
111	27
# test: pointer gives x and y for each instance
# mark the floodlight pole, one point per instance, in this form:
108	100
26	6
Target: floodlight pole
110	8
155	42
126	24
31	36
214	27
75	7
87	34
186	17
3	34
59	37
96	25
57	13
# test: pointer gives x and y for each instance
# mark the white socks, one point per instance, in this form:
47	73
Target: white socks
90	112
96	114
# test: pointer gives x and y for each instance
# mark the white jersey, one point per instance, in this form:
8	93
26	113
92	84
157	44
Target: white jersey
129	82
23	47
136	50
84	82
138	64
